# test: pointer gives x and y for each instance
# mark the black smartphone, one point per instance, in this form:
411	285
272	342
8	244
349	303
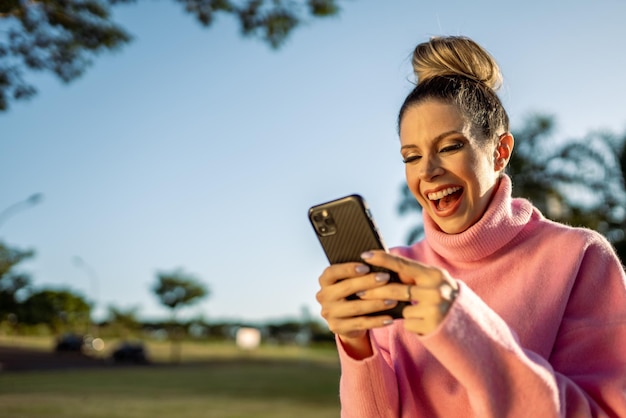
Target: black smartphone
345	229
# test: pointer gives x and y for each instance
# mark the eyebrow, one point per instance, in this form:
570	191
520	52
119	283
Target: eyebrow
436	139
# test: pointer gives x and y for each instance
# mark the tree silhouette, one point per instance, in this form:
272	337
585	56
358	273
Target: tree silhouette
409	206
174	290
59	309
11	281
579	182
63	36
575	181
618	225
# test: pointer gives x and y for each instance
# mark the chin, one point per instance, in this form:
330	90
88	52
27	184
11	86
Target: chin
452	230
451	227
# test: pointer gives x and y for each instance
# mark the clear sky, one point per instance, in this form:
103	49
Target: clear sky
198	149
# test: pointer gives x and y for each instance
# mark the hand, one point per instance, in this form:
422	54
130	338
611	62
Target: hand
346	317
430	288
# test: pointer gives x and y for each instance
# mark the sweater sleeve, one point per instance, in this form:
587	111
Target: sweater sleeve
480	351
585	375
368	387
589	354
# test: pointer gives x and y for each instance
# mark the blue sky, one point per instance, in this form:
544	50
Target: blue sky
198	149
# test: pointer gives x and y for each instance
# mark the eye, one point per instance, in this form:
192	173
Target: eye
411	158
451	148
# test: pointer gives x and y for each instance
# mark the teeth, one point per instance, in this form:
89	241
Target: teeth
443	193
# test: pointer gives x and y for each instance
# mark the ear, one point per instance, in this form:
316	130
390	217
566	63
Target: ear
503	151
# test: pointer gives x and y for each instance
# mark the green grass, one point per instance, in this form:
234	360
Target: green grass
273	382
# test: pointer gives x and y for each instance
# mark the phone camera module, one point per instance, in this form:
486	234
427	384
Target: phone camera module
324	223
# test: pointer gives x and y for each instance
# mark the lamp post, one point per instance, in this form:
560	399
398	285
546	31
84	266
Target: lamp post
19	206
93	277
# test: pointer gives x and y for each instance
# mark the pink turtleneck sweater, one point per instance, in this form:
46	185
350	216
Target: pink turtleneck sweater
538	329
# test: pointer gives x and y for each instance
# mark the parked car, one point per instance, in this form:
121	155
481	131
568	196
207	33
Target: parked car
70	342
130	352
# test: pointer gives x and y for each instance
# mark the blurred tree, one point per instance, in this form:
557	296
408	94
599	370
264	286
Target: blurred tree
619	226
123	321
63	36
174	290
578	182
409	206
12	283
59	309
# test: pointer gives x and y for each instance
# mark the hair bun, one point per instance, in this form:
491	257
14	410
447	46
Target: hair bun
455	56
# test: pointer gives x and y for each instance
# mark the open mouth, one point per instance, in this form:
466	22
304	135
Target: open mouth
446	198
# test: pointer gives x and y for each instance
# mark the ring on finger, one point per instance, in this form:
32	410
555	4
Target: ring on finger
447	292
408	291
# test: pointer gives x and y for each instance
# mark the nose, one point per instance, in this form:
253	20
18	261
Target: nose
430	168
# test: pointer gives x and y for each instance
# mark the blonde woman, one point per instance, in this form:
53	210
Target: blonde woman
512	315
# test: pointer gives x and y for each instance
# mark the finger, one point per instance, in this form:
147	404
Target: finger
403	292
423	311
352	308
410	271
346	288
426	300
353	326
336	272
422	319
424	295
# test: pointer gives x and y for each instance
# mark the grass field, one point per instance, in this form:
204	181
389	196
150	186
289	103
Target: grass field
212	380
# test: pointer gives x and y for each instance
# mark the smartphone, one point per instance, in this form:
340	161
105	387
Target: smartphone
345	229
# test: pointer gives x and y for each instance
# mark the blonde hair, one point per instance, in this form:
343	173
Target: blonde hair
455	55
456	70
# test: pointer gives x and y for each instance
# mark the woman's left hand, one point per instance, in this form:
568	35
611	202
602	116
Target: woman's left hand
431	289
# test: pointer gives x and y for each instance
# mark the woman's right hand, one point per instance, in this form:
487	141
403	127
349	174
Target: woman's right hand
347	317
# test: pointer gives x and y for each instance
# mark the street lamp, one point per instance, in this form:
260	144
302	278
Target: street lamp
19	206
79	262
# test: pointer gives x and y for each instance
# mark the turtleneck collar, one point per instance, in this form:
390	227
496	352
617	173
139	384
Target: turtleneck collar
504	218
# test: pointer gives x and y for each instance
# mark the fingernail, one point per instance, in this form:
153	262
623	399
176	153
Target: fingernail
382	277
388	322
362	268
367	254
361	293
389	302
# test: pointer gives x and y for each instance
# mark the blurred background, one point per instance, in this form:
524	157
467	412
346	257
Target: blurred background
163	166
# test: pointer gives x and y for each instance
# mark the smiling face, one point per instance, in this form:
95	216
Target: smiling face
450	172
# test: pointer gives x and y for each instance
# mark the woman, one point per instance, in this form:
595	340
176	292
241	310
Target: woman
512	315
